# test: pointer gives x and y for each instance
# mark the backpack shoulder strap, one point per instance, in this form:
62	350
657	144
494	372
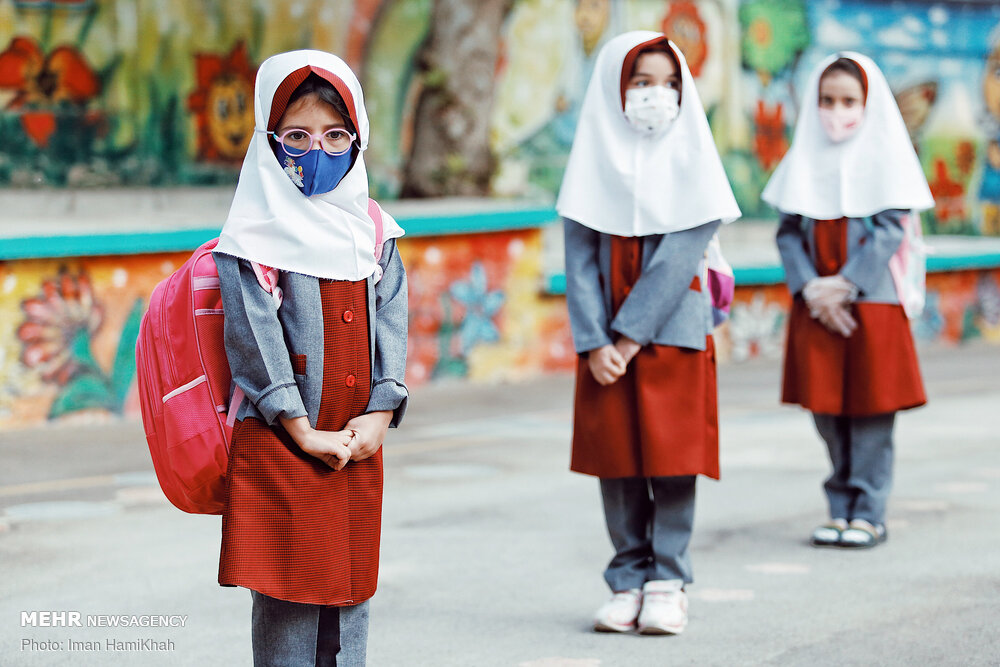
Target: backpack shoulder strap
375	213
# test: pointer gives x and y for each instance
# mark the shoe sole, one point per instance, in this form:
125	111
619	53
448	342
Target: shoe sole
866	545
661	629
823	544
610	627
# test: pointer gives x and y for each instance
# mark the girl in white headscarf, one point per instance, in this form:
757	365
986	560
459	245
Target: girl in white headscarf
643	194
315	334
845	190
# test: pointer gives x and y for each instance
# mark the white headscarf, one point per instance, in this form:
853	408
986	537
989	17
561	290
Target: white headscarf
874	170
271	222
619	181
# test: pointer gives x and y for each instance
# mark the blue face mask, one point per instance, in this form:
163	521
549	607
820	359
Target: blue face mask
315	173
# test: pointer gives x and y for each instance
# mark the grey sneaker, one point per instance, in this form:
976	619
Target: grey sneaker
828	535
861	534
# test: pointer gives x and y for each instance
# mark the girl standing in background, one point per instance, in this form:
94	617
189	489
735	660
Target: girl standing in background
643	194
843	192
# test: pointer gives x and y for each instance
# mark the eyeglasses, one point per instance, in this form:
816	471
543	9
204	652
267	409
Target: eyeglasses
297	143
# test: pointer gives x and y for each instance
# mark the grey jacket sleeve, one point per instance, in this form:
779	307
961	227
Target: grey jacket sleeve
799	267
665	279
866	264
588	314
255	342
389	364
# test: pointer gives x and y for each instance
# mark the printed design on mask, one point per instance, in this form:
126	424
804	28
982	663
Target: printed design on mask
294	171
841	124
651	109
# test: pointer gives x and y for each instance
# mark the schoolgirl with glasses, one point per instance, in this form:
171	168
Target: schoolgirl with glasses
320	358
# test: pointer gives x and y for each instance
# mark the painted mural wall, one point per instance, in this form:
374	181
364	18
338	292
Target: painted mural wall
68	327
137	92
477	312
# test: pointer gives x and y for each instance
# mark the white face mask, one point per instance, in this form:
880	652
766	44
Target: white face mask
841	124
652	110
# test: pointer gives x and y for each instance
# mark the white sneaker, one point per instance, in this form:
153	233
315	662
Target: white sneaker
664	608
619	613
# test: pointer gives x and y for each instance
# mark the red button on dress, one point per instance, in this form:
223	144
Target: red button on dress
350	380
348	316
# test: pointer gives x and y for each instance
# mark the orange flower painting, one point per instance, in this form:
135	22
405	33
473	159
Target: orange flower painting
685	28
42	82
223	104
769	140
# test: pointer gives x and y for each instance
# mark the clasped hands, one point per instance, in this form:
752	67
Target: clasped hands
829	300
608	363
360	438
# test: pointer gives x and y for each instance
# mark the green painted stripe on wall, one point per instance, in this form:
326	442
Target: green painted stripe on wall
43	247
38	247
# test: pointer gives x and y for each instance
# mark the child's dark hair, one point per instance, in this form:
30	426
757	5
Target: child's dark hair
326	93
847	66
659	47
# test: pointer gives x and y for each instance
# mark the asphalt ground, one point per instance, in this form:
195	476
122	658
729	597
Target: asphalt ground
492	551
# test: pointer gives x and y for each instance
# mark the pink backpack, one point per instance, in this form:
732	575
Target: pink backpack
184	379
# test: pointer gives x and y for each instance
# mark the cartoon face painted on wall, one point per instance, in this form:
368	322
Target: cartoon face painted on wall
222	104
230	115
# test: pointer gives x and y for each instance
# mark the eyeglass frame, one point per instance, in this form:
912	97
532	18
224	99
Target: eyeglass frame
312	141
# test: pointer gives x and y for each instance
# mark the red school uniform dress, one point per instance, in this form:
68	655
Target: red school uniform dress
660	419
294	528
874	371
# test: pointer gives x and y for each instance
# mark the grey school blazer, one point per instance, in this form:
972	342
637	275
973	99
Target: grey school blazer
661	308
871	243
259	339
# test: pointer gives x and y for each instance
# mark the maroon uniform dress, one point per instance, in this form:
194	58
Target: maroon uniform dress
294	528
874	371
660	419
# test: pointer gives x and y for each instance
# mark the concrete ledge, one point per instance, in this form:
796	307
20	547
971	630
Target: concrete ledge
37	225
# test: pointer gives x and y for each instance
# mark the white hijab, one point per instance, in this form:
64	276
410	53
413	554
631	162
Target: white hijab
271	222
874	170
619	181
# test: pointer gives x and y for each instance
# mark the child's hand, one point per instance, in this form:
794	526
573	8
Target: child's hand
837	318
369	433
606	364
330	447
628	348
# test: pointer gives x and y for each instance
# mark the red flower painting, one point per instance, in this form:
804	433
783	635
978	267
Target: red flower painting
42	82
223	104
949	201
769	140
685	28
59	324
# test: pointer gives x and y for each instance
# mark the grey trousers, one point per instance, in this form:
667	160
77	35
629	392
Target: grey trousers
861	454
649	521
292	634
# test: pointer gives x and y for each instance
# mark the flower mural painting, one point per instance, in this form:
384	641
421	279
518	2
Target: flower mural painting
42	83
685	27
56	336
770	143
756	329
949	195
223	104
775	32
481	305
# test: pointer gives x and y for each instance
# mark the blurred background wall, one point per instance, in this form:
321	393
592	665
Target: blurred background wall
141	92
124	122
